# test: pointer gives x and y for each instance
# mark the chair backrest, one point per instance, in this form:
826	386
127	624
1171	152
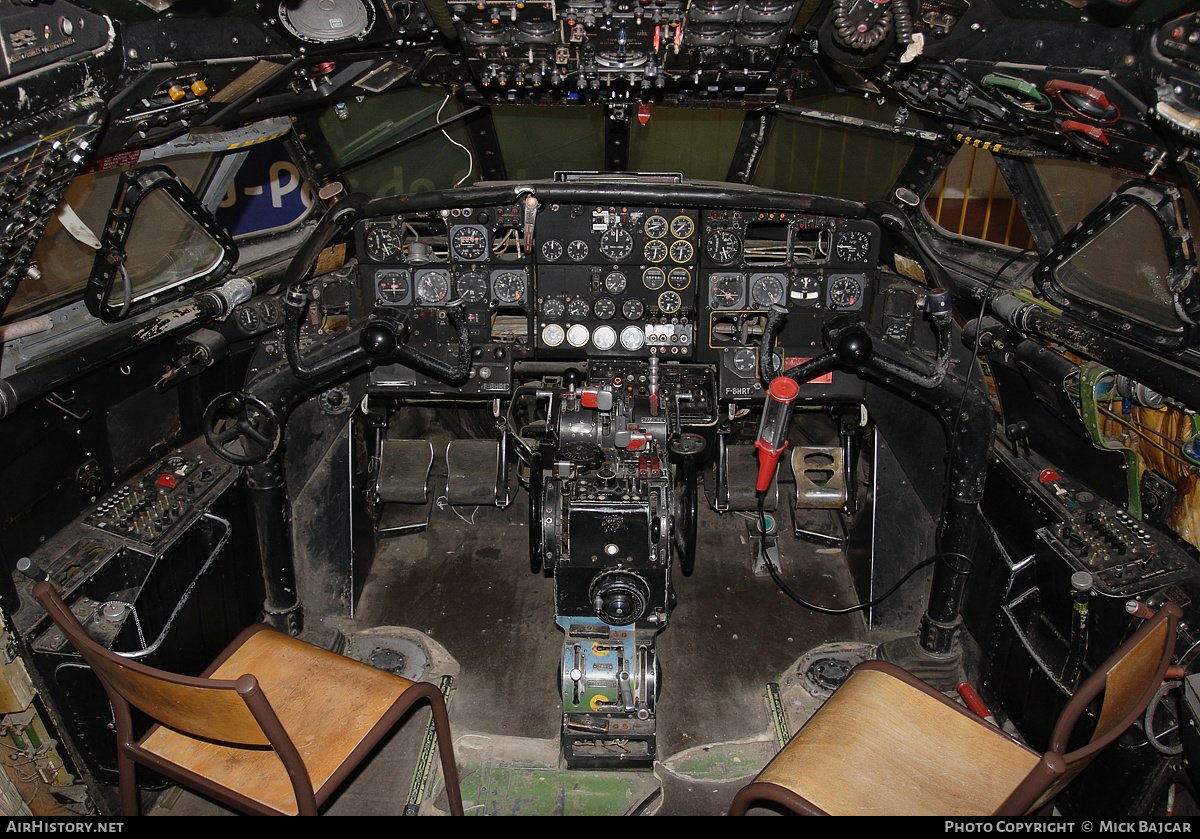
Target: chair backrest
1129	679
208	708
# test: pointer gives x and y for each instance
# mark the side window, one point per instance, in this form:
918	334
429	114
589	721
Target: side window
63	261
972	200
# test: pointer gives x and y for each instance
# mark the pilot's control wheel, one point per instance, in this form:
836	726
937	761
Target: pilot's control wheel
241	418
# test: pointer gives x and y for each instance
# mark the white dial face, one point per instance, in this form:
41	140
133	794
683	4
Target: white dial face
552	335
577	335
633	337
604	338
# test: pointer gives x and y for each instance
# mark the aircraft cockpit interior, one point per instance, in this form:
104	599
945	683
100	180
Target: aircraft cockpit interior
697	407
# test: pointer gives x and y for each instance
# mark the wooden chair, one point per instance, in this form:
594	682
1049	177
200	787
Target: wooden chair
886	743
272	727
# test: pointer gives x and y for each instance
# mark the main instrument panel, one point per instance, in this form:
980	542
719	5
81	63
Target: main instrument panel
624	281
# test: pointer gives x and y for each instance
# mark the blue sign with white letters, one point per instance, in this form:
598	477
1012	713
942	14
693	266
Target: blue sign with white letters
268	193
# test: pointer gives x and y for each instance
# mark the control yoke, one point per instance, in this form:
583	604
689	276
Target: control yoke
852	344
382	340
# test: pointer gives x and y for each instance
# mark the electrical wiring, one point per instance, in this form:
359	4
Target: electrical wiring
826	610
446	134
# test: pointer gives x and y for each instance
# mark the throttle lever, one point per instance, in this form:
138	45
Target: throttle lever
31	569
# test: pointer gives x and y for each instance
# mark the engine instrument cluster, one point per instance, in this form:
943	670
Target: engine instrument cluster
622	281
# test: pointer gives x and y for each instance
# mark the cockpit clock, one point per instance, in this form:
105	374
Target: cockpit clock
616	244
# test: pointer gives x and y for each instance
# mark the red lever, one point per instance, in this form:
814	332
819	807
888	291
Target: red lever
971	698
596	398
1091	132
1093	94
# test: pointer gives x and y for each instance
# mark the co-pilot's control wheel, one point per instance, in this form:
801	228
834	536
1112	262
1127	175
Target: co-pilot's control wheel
238	418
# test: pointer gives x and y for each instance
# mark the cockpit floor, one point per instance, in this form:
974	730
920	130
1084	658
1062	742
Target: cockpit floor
466	584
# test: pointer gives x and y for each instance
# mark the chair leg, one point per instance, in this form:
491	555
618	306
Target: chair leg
127	781
441	725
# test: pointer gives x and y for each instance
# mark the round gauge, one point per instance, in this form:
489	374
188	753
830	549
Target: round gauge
679	279
682	227
633	338
745	361
328	21
553	335
552	250
604	338
654	278
471	287
578	309
655	251
577	335
616	243
655	227
845	292
722	247
393	286
508	286
681	251
433	286
577	250
669	302
727	291
853	246
632	309
469	242
605	309
382	243
552	308
806	289
614	283
767	289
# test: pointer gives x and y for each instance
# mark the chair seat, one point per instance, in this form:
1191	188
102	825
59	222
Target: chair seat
883	746
328	704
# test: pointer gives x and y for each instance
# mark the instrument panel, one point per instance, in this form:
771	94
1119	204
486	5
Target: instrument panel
580	281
